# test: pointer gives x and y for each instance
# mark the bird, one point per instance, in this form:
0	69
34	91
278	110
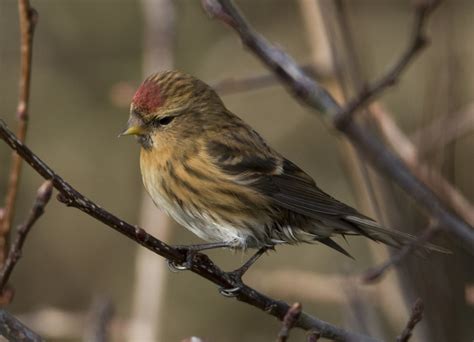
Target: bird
216	176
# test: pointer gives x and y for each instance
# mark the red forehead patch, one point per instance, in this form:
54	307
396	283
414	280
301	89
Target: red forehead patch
148	97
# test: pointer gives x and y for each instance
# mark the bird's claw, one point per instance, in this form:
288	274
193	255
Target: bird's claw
175	267
232	292
186	265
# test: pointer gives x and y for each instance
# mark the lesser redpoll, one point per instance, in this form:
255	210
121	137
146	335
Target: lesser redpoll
217	177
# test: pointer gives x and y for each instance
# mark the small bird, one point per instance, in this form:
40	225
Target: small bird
217	177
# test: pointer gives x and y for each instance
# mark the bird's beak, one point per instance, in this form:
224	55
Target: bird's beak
132	130
135	126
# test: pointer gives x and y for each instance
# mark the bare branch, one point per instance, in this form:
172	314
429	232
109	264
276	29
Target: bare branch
28	20
201	264
415	318
289	321
13	330
42	198
314	95
417	42
375	274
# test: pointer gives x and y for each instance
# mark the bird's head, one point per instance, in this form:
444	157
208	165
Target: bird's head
170	105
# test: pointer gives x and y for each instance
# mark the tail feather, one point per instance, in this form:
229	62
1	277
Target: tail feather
392	238
334	245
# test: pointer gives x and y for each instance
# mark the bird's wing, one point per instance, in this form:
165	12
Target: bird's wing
273	176
293	189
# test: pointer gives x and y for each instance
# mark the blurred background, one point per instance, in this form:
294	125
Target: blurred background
89	57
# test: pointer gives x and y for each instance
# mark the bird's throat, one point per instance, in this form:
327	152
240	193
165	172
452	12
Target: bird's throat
145	141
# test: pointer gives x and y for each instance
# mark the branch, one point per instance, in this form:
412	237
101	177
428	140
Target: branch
288	322
417	42
315	96
201	264
375	274
415	318
42	198
13	330
28	20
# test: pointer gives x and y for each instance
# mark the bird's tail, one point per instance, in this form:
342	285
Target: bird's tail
392	238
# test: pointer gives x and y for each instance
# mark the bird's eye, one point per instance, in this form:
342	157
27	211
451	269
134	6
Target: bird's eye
165	120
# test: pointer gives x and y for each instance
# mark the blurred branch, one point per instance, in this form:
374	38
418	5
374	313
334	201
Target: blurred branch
415	318
289	321
13	330
375	274
417	42
313	94
100	316
42	198
151	273
444	130
230	86
28	20
201	264
431	177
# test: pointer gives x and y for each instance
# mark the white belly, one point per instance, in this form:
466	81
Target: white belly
199	222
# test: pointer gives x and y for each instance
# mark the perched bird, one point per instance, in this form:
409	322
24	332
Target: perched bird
217	177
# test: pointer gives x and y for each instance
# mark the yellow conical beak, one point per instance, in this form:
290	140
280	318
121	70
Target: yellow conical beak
133	130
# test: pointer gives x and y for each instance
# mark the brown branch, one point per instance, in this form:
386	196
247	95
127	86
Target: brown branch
289	321
201	264
28	20
13	330
315	96
415	317
375	274
42	198
417	42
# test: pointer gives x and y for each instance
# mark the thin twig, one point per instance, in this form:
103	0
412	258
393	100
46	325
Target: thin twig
417	42
13	330
415	317
289	321
42	198
410	156
201	264
314	95
444	130
375	274
28	21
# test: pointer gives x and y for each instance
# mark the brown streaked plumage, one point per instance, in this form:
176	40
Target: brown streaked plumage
217	177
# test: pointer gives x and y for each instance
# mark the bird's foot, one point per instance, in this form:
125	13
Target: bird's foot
184	266
190	251
237	274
